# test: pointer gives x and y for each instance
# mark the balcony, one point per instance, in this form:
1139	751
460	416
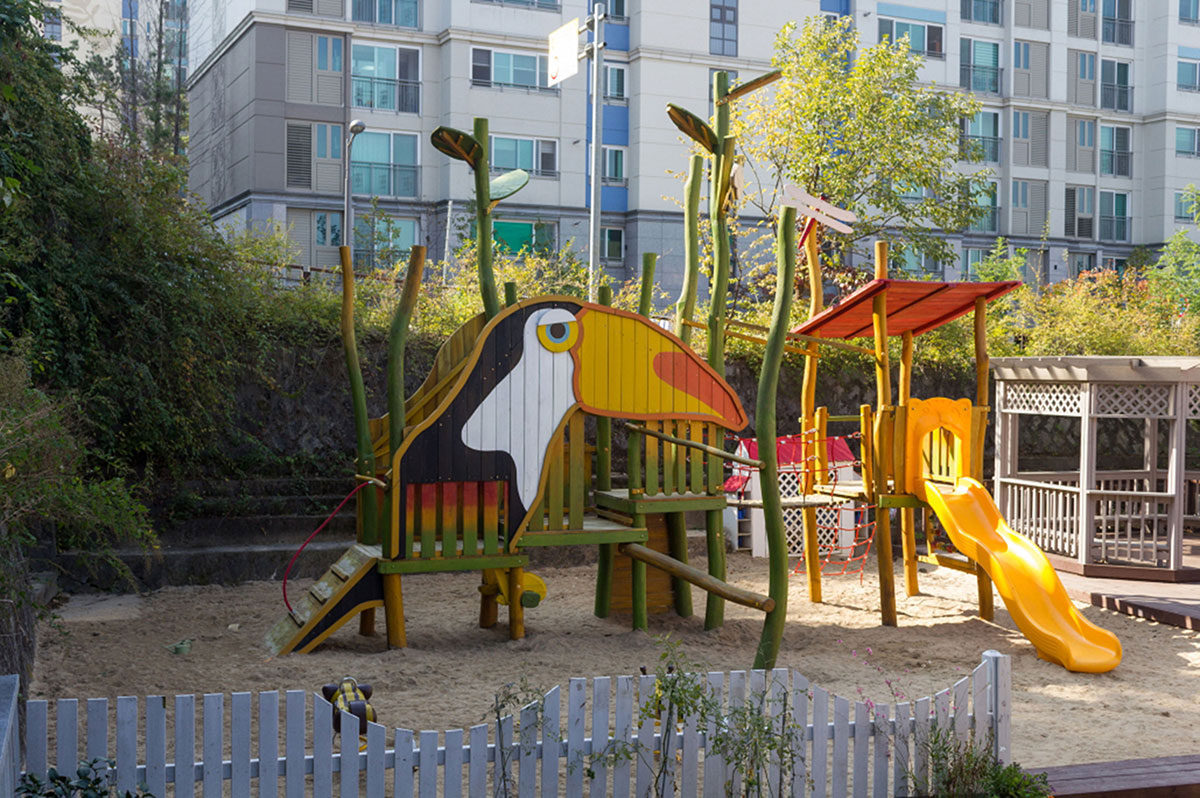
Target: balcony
386	94
1117	31
541	5
985	149
1116	97
1115	228
989	222
1116	162
980	79
985	11
384	180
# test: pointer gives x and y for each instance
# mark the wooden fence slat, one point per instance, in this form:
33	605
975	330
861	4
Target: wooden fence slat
689	781
979	703
576	731
348	746
156	745
737	699
213	744
477	766
900	755
97	729
941	702
239	745
777	711
66	726
295	742
820	749
402	775
862	739
501	768
268	744
921	742
35	738
668	744
622	725
962	715
881	751
551	737
185	746
376	759
645	739
527	759
601	690
800	720
1000	677
714	765
427	774
841	744
322	726
453	779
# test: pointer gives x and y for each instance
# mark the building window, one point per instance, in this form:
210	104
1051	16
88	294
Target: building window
382	242
983	136
1085	133
313	158
1187	142
1080	212
52	21
614	82
980	68
922	38
327	229
1087	66
1082	262
1188	75
612	243
972	257
386	12
916	264
616	10
1118	22
723	27
1115	156
1021	125
614	164
1115	91
1114	216
989	220
536	156
385	165
1189	12
539	237
987	11
1087	6
1020	55
497	68
1115	264
1020	194
1185	209
385	79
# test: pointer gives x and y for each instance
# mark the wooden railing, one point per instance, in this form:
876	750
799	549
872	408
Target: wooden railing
659	467
1044	512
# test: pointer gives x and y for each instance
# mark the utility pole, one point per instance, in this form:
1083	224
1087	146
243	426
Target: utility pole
595	50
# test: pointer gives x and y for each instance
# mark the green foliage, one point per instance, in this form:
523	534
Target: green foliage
967	768
857	125
90	781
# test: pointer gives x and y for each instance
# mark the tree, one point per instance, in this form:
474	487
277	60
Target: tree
1177	272
857	126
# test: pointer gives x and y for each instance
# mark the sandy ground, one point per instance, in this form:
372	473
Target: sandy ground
118	645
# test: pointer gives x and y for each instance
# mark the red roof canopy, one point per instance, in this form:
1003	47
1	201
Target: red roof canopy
914	306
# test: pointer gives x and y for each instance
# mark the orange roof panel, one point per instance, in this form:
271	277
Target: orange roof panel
914	306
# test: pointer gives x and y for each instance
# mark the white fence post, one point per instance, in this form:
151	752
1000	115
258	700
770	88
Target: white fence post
839	747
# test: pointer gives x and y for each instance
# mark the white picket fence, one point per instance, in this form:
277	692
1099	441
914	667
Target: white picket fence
837	747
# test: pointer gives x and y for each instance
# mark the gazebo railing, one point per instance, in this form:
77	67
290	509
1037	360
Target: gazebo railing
1045	512
1131	526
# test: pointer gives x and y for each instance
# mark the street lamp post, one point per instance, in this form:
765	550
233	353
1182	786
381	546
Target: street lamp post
356	126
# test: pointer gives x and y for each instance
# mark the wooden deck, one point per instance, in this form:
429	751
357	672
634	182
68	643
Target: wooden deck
1175	603
1167	777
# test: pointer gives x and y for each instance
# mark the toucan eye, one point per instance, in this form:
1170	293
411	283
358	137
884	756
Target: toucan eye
558	336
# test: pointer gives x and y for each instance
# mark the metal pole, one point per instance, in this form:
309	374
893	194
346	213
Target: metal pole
597	48
446	255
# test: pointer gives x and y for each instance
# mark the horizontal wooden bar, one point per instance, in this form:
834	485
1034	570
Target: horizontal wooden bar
704	447
583	537
640	504
947	562
808	339
701	579
443	564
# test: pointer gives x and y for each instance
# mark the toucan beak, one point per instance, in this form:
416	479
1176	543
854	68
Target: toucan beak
628	367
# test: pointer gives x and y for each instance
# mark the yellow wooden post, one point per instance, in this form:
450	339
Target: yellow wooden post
393	611
986	606
882	434
908	530
816	303
516	610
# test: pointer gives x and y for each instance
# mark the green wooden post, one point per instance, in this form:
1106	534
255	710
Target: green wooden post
637	579
510	293
483	222
364	463
768	386
397	339
686	307
646	297
677	544
719	187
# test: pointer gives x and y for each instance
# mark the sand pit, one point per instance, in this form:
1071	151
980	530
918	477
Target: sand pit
449	674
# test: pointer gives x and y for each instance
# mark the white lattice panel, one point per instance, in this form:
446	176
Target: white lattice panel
1193	401
1132	400
1044	398
793	517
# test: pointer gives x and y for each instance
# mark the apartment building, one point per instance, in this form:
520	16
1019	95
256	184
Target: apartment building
1091	117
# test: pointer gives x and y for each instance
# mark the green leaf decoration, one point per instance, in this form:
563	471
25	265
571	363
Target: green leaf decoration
507	184
693	127
457	144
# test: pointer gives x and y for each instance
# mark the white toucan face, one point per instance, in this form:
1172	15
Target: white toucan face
522	413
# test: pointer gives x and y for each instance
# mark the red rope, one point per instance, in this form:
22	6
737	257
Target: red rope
287	571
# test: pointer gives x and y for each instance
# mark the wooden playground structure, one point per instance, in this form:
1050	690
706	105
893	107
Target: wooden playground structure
494	455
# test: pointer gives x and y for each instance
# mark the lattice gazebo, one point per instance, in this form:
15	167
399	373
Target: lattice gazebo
1091	460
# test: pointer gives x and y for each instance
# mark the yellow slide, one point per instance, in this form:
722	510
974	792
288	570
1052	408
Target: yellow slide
1024	577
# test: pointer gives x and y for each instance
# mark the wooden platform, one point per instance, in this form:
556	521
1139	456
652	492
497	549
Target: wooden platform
1166	777
1174	603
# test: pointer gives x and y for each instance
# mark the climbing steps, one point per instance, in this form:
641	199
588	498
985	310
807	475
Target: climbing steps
351	585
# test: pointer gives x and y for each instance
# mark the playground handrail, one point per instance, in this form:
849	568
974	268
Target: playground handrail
704	447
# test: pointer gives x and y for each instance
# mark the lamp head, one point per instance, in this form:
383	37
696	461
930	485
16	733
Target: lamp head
357	126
